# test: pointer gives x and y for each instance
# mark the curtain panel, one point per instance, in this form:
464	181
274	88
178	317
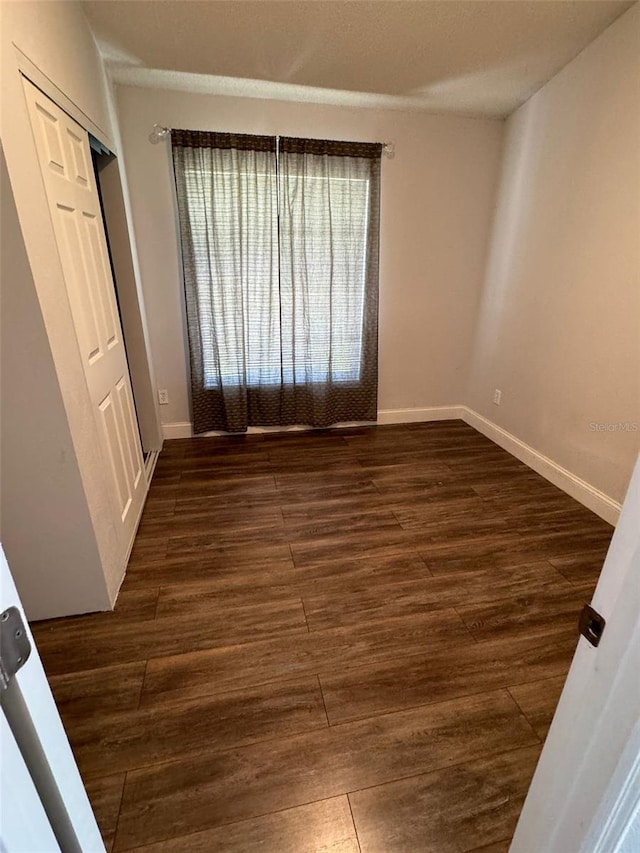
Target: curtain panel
280	259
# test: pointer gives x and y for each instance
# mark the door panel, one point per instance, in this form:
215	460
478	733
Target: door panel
101	278
111	430
24	826
35	745
65	162
129	426
85	317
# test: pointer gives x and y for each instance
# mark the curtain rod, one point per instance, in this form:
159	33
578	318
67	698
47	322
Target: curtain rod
160	132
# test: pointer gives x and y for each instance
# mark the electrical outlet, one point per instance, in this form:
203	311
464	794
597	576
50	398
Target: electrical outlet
497	396
163	397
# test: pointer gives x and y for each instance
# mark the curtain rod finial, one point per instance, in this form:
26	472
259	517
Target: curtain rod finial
389	150
159	132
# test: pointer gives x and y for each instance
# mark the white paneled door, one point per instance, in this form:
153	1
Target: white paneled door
74	203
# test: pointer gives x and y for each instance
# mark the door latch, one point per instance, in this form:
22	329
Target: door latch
15	647
591	624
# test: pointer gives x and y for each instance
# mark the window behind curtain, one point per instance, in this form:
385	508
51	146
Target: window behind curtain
324	204
229	207
280	260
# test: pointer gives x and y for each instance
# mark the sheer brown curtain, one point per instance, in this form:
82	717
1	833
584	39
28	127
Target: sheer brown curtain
280	258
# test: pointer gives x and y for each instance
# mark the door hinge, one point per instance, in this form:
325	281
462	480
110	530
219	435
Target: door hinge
15	647
591	624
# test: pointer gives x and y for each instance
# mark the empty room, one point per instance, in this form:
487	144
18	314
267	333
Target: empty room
320	425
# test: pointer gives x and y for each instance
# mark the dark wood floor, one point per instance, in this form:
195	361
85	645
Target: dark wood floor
332	641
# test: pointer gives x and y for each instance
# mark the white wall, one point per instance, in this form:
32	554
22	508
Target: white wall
559	324
114	187
437	203
57	39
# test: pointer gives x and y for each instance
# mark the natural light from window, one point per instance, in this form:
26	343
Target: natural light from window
320	287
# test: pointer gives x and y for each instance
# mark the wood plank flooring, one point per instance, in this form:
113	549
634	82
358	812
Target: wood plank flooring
346	640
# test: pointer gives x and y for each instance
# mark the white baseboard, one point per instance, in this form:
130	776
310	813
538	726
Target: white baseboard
595	500
604	506
410	416
183	429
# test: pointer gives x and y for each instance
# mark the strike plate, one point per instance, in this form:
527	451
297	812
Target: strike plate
591	624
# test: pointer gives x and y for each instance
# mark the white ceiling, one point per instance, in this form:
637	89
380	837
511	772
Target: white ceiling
483	57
